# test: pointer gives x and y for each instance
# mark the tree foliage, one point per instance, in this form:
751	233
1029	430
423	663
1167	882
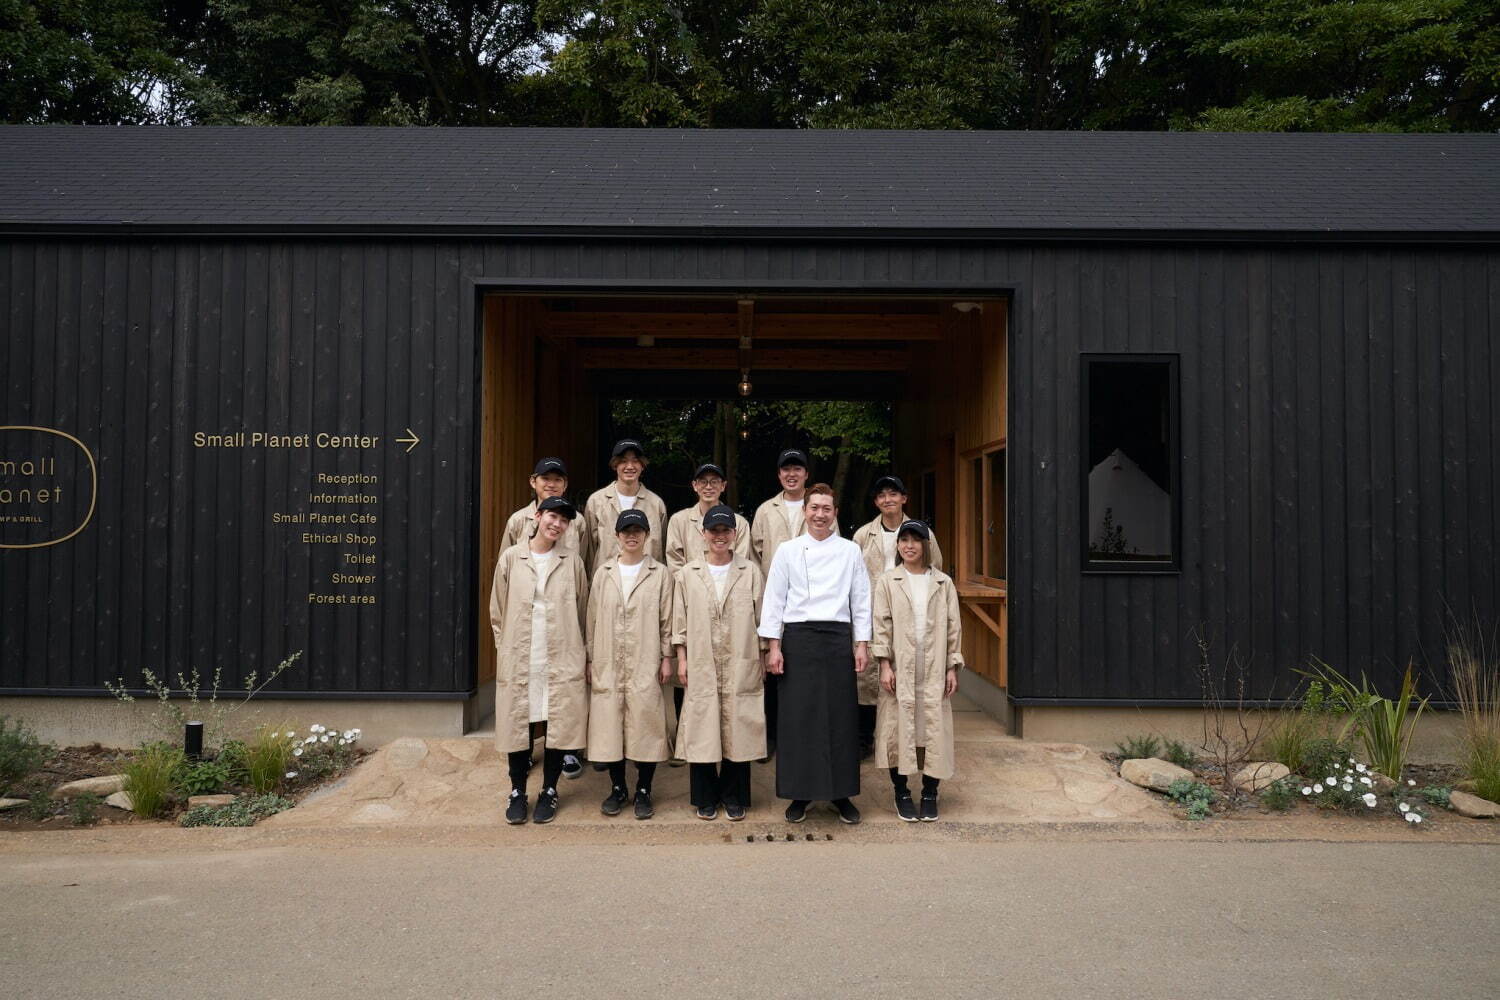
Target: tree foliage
1407	65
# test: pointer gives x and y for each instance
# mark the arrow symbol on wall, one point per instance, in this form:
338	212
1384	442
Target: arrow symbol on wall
413	440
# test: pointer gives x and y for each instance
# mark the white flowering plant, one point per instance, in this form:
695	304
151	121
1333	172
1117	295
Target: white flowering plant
1349	784
321	752
1410	803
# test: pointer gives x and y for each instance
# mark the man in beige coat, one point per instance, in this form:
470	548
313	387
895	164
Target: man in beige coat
723	723
550	479
779	520
628	460
918	643
685	538
538	611
877	540
630	658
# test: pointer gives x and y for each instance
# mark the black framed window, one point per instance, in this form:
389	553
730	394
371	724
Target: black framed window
1132	501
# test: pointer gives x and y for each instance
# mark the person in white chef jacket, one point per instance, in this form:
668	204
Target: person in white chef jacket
816	618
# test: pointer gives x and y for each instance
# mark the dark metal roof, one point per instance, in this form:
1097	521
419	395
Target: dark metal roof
755	183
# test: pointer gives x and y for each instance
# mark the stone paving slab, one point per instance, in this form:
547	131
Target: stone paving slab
462	782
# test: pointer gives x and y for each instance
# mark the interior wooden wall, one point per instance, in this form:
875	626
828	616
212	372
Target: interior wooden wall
509	366
959	404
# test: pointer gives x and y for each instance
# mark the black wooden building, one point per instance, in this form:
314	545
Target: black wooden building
268	390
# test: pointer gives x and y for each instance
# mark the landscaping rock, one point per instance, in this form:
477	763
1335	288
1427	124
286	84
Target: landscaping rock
1473	806
194	801
106	785
11	804
1381	784
1257	775
1153	773
120	800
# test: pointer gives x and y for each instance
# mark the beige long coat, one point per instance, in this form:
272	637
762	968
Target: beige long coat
601	512
685	538
627	638
567	596
521	527
723	711
769	530
917	714
867	537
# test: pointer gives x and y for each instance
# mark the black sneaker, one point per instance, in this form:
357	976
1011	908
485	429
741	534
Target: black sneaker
905	807
515	811
546	806
643	807
618	796
734	812
572	766
847	812
708	812
929	808
797	811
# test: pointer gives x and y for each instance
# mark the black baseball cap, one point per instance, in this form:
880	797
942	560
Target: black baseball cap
560	505
888	483
549	464
914	528
627	444
792	457
632	518
708	467
718	516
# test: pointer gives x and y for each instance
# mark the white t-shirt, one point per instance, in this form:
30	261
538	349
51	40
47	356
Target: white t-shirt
537	685
629	575
721	577
921	584
625	502
887	546
793	514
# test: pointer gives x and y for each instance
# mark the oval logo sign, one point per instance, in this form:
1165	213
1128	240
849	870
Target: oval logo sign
48	486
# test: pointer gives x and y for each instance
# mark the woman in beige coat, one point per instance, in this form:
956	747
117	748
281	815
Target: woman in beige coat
877	542
538	606
630	658
723	725
919	645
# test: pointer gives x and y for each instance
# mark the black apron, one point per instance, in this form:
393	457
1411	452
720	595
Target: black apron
817	740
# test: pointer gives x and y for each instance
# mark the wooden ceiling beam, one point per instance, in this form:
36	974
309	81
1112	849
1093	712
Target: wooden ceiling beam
726	326
728	359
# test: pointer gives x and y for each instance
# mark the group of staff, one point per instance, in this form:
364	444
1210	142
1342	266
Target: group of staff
777	636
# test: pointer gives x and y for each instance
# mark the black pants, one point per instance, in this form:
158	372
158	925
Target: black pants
552	762
772	695
727	782
866	724
929	784
644	772
817	753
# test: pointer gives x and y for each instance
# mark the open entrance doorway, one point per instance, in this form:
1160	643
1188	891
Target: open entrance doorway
562	374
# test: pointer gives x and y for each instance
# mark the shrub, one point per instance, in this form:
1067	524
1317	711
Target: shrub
1279	795
267	757
1345	784
1323	757
201	777
84	810
148	778
1136	747
1181	754
41	805
1195	795
175	708
323	752
1474	672
1437	795
1384	725
243	811
20	753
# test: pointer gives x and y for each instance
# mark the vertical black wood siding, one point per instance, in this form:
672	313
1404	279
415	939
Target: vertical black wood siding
1339	448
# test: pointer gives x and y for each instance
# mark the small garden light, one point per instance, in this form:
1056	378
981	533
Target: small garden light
192	740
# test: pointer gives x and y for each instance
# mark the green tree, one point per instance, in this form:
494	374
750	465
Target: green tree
916	64
87	62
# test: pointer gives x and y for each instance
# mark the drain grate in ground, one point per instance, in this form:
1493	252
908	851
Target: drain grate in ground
787	838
